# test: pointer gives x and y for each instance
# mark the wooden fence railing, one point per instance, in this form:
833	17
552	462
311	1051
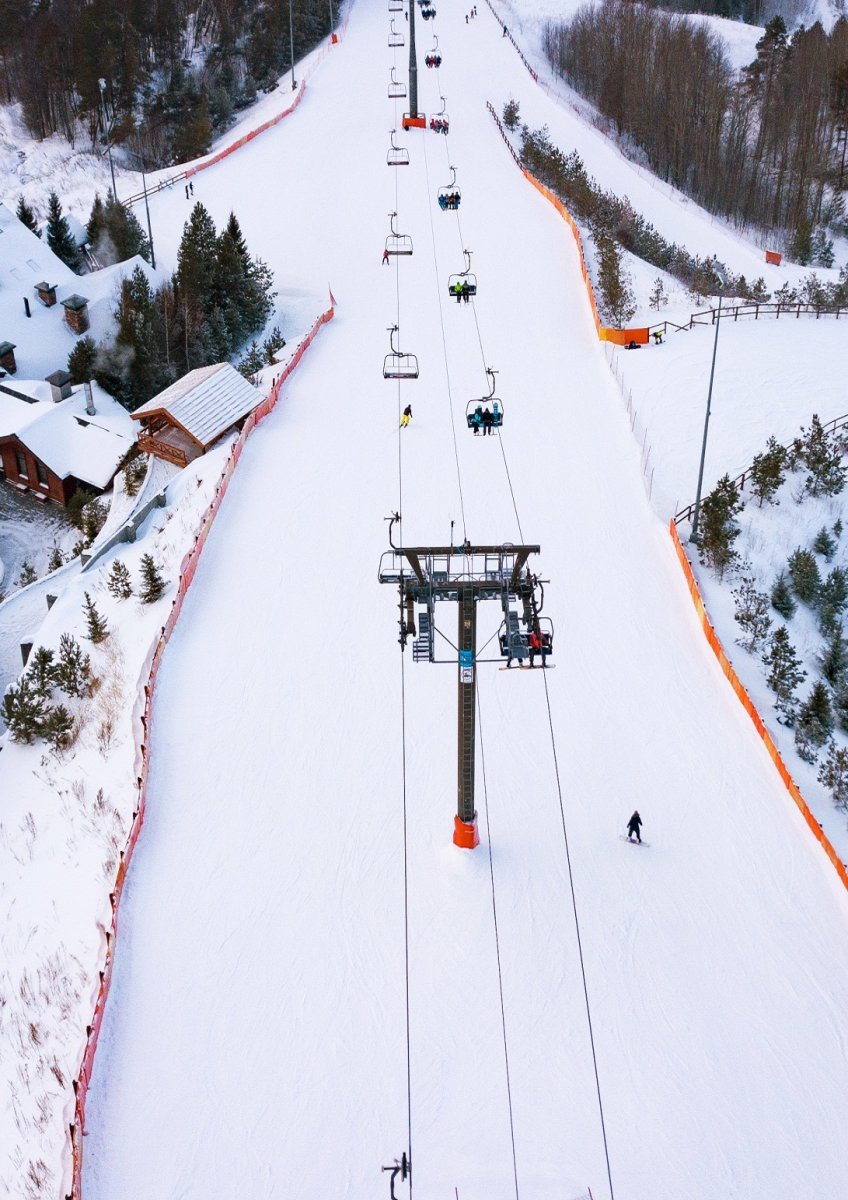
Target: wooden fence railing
751	311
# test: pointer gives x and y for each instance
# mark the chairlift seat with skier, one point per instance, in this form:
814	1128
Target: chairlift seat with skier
515	642
428	13
463	284
397	365
397	156
432	60
449	196
487	413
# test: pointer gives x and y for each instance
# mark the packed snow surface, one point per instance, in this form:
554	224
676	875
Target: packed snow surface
255	1036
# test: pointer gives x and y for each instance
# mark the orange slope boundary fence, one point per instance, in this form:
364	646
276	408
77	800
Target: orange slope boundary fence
750	708
606	333
187	571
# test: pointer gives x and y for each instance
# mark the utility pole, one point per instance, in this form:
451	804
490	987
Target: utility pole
107	129
722	278
465	575
291	39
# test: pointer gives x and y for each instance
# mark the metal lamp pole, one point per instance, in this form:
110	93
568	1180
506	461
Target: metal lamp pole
102	83
291	40
332	30
146	209
694	535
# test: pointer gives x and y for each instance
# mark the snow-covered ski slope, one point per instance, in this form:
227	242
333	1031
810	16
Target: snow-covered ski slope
254	1043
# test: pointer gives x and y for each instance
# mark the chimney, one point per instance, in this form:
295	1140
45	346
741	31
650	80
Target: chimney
89	399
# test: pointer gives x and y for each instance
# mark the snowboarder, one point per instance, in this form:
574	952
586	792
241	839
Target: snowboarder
634	827
406	417
385	258
186	187
487	420
505	32
657	336
191	187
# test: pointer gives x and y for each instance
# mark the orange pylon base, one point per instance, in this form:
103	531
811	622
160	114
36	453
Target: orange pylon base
465	833
334	41
414	122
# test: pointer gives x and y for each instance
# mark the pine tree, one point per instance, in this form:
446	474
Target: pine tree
832	597
804	576
617	297
152	583
24	710
751	614
767	471
837	528
784	672
82	359
57	728
119	582
56	560
234	230
252	362
59	237
759	292
834	660
73	670
718	529
833	773
781	597
98	629
825	543
26	215
114	232
814	722
40	670
822	248
27	574
840	706
658	298
823	460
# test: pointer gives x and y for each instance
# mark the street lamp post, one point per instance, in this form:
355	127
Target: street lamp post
722	278
146	207
108	131
291	40
332	27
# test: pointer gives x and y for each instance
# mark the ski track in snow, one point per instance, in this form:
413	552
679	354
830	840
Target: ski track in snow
254	1038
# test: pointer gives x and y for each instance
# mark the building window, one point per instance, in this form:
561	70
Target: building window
22	467
41	473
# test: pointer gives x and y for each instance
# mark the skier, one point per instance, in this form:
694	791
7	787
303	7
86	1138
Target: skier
406	417
634	826
505	34
386	257
186	191
487	420
657	336
191	187
535	644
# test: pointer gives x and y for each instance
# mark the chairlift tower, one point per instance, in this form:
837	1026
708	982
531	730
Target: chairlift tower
464	575
413	119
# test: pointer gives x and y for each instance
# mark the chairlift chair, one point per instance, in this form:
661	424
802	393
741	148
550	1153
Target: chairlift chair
398	156
395	35
397	243
464	283
479	416
397	365
515	641
449	196
397	88
440	122
434	59
395	6
428	13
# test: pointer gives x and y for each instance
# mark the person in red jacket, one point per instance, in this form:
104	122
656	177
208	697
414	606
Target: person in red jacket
535	644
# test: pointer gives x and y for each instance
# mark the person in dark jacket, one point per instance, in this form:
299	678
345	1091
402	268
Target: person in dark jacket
634	827
406	416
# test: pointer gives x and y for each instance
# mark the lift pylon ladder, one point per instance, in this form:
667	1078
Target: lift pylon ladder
464	575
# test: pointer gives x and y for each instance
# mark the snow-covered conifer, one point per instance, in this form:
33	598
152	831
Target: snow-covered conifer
784	672
59	236
27	574
832	598
73	670
25	214
833	773
40	670
97	627
119	581
57	727
658	298
718	529
804	576
814	722
152	583
767	471
781	597
823	460
825	543
751	614
834	660
24	709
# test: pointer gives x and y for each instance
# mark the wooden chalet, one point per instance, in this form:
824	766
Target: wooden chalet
182	422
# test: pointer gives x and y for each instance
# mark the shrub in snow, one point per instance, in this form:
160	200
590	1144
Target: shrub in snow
767	471
823	459
81	497
40	671
273	342
759	293
783	673
152	583
751	614
814	722
56	560
833	773
658	298
718	529
781	597
93	518
28	574
834	660
73	669
825	543
119	582
58	727
97	627
511	115
24	710
837	528
804	576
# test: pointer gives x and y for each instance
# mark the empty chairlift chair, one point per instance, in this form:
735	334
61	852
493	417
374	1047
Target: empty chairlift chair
397	243
397	365
449	196
395	35
398	156
440	122
395	6
463	285
397	88
487	413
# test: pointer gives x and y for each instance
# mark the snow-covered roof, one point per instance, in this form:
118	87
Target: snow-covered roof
64	437
205	402
25	259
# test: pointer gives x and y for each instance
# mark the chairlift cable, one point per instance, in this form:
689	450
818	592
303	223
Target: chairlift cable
444	340
497	934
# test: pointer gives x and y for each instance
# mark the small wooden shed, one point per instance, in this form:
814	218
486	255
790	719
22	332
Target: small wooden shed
182	422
